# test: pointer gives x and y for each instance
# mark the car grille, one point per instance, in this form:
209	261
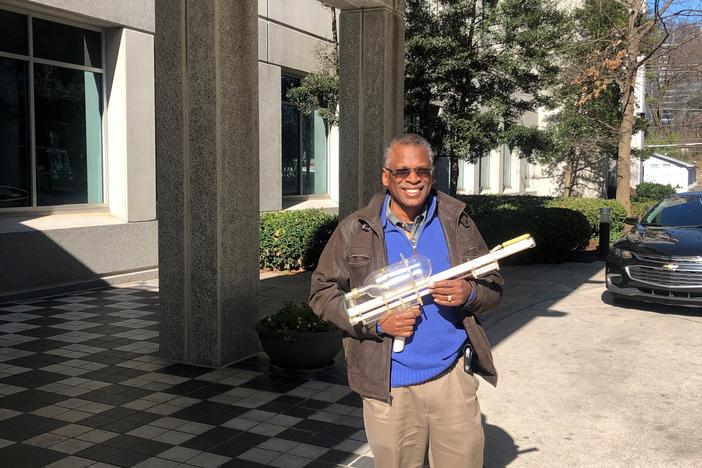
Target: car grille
662	277
662	259
667	293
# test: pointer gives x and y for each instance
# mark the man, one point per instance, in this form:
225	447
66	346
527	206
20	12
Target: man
422	395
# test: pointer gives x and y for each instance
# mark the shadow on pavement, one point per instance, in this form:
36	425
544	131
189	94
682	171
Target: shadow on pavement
500	449
687	311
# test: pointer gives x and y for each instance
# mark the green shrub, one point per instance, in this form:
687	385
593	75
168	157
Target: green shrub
502	226
652	191
640	207
590	208
292	240
559	233
480	205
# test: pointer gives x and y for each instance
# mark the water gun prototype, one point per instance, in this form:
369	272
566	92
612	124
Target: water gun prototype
402	285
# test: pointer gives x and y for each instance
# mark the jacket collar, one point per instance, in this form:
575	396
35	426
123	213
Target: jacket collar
448	209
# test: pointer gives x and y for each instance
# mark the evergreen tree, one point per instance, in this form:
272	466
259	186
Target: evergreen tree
474	67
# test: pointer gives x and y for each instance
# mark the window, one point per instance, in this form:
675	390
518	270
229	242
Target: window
528	173
51	106
484	168
304	152
506	167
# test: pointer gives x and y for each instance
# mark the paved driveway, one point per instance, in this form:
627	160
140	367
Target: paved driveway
584	382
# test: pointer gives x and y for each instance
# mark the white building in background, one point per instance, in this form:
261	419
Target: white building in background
503	172
662	169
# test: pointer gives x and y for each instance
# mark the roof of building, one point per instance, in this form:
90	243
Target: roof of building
677	162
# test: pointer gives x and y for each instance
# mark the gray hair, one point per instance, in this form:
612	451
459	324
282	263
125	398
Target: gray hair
407	139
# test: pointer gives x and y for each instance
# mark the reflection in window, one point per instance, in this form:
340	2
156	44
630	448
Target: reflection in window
677	211
63	43
68	135
291	149
62	164
15	188
304	152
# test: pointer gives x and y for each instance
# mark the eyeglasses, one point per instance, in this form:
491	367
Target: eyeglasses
422	172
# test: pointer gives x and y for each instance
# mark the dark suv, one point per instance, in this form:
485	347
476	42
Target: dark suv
660	259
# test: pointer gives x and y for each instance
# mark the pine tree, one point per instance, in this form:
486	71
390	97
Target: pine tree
473	68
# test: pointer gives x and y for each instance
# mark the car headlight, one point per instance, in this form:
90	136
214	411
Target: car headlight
621	253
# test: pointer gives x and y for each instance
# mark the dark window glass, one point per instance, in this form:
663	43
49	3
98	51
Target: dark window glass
304	147
291	150
68	134
14	134
13	33
62	43
677	211
287	83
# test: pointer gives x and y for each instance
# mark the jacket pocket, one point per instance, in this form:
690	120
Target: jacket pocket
359	262
359	256
468	253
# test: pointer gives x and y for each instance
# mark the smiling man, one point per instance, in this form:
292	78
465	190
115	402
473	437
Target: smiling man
425	396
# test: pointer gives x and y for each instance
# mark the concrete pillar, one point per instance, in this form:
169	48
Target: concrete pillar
371	42
130	125
206	75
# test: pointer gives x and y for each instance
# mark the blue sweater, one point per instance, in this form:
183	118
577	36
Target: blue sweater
439	332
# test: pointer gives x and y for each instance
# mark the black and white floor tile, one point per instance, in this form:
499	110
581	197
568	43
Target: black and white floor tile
81	385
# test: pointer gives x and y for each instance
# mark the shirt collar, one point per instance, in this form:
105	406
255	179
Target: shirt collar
428	211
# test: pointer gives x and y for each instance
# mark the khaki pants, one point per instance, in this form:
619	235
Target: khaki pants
443	413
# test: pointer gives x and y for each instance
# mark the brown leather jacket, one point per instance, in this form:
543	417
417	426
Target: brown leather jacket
356	249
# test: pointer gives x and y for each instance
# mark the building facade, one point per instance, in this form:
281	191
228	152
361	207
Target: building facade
77	136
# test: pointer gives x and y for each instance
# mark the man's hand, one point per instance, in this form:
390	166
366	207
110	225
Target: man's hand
451	293
400	323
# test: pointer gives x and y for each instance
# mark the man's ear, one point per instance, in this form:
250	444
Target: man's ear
384	179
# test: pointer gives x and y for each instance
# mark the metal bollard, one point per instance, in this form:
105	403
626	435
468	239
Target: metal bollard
604	232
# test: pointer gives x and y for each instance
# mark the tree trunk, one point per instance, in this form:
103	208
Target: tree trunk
568	179
627	124
453	182
624	151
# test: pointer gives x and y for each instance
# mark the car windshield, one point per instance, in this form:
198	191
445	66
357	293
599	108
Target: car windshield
676	211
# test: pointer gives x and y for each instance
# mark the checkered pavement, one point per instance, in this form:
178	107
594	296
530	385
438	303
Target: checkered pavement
81	385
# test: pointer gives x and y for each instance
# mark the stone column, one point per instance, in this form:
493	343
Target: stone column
371	42
206	73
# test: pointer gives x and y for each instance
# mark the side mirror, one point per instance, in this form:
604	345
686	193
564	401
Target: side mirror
633	221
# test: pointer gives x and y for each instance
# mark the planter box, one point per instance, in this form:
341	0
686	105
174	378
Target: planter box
311	350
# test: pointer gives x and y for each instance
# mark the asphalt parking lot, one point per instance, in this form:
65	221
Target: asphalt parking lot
585	382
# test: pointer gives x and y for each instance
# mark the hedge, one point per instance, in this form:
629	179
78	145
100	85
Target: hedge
482	205
559	233
639	208
293	240
646	191
478	206
590	208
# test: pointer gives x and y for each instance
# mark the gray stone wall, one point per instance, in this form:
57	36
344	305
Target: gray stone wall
31	260
207	169
135	14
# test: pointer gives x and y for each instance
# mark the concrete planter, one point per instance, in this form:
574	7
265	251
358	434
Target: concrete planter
310	350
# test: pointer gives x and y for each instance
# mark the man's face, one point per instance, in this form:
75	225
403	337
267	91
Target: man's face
408	193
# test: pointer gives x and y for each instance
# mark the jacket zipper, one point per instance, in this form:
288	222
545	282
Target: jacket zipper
385	262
